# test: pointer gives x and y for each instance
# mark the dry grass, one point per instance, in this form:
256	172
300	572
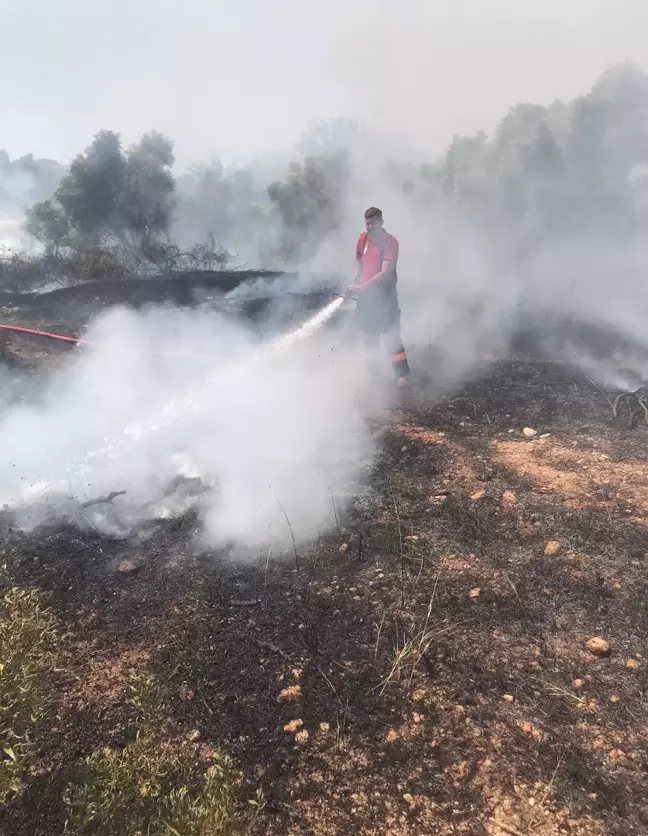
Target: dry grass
413	650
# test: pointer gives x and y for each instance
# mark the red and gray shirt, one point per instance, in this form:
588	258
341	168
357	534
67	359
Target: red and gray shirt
372	254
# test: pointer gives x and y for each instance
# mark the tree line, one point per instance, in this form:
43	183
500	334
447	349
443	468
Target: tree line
546	172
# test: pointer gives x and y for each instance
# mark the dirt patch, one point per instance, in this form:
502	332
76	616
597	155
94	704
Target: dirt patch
577	476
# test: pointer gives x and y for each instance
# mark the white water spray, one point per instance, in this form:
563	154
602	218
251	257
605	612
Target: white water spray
192	403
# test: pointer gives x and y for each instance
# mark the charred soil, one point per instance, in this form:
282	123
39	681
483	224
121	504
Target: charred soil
426	669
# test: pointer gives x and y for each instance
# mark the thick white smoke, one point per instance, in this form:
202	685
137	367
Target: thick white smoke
464	292
269	430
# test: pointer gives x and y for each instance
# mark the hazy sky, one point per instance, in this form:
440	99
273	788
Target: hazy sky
242	77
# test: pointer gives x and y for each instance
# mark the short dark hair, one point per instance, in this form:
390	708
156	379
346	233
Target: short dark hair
373	212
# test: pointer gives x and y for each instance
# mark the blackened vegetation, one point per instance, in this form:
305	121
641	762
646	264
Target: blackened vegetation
67	311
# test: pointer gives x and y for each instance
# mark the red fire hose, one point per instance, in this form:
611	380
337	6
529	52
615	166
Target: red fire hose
20	329
78	341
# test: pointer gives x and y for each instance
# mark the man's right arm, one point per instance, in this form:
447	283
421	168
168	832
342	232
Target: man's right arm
356	269
358	262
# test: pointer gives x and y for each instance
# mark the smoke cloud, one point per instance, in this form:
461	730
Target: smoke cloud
211	75
537	227
259	432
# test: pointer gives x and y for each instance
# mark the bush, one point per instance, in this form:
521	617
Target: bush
27	640
155	787
22	273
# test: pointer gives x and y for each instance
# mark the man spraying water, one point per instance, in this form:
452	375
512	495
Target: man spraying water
374	285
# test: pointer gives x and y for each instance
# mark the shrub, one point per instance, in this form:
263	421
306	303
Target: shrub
27	640
157	787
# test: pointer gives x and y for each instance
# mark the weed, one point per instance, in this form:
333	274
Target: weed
27	640
157	787
556	690
147	699
414	650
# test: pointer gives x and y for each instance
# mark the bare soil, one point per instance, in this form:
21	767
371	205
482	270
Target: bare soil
425	670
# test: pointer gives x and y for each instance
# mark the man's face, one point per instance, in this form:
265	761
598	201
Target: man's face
374	226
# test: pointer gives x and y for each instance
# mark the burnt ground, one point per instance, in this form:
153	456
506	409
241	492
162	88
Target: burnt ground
438	642
67	310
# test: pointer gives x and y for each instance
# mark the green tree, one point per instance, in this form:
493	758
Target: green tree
90	193
309	202
48	223
205	198
465	175
146	198
225	204
109	196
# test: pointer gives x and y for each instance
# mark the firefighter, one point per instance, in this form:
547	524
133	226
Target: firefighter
374	286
